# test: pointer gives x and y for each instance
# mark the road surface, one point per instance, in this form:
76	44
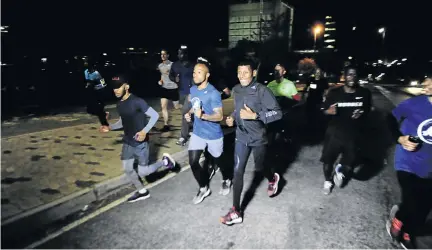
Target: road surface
301	216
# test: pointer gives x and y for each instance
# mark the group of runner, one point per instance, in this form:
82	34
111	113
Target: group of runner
255	106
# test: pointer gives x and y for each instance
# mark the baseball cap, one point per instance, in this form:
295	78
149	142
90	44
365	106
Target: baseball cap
118	80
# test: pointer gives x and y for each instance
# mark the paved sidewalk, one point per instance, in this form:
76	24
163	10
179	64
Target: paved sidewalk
42	167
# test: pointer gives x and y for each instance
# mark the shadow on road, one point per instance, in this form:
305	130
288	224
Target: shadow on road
375	143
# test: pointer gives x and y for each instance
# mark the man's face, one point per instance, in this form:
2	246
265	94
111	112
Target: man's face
279	71
120	92
164	55
427	87
245	75
200	74
181	55
351	77
318	74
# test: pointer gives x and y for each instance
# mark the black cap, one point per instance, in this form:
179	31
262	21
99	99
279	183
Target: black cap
118	80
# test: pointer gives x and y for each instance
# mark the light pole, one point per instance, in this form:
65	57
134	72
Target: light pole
382	31
316	30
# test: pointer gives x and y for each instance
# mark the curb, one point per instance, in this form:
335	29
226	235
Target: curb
31	221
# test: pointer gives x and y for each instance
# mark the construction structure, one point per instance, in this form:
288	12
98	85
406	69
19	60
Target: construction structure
260	20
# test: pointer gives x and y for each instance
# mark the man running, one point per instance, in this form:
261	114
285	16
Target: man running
348	105
207	110
170	92
181	73
413	164
254	107
133	113
281	86
96	93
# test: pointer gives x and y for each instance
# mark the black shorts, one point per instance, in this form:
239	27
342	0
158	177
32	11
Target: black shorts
337	144
170	94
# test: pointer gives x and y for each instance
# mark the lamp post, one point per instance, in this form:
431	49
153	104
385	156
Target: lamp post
316	30
382	31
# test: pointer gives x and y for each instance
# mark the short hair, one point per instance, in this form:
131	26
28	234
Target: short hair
281	65
166	51
204	61
348	68
249	63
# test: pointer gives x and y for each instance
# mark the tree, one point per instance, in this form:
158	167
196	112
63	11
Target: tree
306	66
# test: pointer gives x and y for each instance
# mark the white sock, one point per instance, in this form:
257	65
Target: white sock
142	191
203	189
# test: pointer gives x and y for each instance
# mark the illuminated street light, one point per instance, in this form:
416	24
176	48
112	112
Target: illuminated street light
44	60
354	28
316	30
104	54
350	57
381	30
404	59
380	61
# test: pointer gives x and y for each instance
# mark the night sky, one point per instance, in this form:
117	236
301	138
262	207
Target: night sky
71	26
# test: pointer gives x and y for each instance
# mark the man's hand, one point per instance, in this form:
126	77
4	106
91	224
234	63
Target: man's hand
104	129
198	113
247	113
140	136
406	144
357	113
230	121
160	82
177	79
188	117
331	110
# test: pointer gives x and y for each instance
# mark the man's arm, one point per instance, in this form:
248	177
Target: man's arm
396	118
154	116
149	111
117	125
216	103
329	100
172	74
368	103
269	102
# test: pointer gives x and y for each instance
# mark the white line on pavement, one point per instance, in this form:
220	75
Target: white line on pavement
386	93
100	211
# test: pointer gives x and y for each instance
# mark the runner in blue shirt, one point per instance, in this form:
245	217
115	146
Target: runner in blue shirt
413	164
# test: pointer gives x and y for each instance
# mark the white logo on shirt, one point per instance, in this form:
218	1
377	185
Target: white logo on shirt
424	131
349	104
253	87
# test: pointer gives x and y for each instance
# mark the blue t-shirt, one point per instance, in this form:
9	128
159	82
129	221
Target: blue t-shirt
209	99
416	117
92	76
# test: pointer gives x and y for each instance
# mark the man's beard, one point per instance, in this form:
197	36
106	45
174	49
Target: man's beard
199	83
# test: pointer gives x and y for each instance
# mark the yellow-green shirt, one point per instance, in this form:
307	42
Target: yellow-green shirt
285	88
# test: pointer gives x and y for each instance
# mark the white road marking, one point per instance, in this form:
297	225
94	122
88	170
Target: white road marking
100	211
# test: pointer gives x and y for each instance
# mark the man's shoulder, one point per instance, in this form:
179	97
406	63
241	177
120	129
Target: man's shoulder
286	81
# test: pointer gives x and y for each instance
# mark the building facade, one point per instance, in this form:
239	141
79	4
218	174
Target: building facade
255	20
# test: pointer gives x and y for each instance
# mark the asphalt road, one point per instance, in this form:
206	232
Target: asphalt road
301	216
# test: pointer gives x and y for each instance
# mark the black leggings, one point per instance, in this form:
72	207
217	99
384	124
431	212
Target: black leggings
416	201
241	156
201	172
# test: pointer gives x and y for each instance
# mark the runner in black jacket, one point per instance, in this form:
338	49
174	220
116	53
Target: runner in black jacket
255	106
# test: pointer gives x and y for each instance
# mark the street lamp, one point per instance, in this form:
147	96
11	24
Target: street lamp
316	30
383	32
